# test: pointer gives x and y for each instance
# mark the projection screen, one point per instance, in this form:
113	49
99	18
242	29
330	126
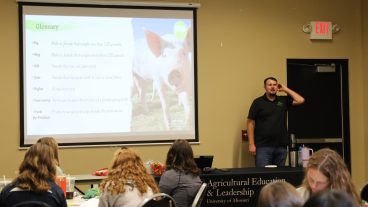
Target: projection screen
95	75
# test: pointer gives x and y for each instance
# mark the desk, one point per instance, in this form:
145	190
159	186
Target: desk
80	202
231	187
3	183
88	179
76	201
240	186
92	180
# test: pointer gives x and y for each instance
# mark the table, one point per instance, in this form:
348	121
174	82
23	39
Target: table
80	202
231	187
236	187
76	201
89	179
3	183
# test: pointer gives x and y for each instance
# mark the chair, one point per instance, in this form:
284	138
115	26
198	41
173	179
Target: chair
158	200
364	193
200	195
31	204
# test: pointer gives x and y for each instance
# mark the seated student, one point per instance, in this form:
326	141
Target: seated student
181	177
327	170
330	198
279	194
35	182
54	146
128	182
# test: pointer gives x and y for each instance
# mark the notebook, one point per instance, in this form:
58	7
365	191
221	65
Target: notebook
203	161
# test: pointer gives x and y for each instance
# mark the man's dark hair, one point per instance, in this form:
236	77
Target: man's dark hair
269	78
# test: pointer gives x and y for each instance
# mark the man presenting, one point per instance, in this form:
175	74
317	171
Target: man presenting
266	124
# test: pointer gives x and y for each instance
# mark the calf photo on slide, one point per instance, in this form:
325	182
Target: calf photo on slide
162	65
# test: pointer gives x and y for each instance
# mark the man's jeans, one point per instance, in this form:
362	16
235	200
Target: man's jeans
270	156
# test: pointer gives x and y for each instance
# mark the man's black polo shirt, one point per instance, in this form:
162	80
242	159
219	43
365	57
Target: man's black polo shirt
270	120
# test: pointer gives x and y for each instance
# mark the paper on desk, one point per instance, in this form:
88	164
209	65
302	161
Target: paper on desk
93	202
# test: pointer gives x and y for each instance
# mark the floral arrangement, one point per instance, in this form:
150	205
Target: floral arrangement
155	167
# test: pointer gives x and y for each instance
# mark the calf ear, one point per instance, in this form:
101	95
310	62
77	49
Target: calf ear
154	42
188	42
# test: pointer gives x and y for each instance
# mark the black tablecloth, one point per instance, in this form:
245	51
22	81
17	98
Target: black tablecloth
239	187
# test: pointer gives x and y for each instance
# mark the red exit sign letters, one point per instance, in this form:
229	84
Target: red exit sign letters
321	30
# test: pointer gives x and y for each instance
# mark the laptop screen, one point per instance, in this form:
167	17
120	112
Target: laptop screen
203	161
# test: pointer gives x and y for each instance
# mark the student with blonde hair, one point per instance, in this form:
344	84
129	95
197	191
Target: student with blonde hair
36	181
50	141
326	170
279	194
128	182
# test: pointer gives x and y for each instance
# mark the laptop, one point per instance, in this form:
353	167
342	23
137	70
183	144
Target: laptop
203	161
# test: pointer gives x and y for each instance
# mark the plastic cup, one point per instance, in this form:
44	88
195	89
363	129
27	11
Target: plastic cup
69	195
70	182
61	181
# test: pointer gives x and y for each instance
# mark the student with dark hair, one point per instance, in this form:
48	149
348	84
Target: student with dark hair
279	194
181	178
331	198
128	182
36	180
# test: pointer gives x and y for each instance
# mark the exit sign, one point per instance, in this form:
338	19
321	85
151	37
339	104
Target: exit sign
321	30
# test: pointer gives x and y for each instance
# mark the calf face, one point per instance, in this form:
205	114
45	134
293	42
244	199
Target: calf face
164	62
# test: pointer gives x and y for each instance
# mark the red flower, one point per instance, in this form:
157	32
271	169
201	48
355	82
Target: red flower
157	168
